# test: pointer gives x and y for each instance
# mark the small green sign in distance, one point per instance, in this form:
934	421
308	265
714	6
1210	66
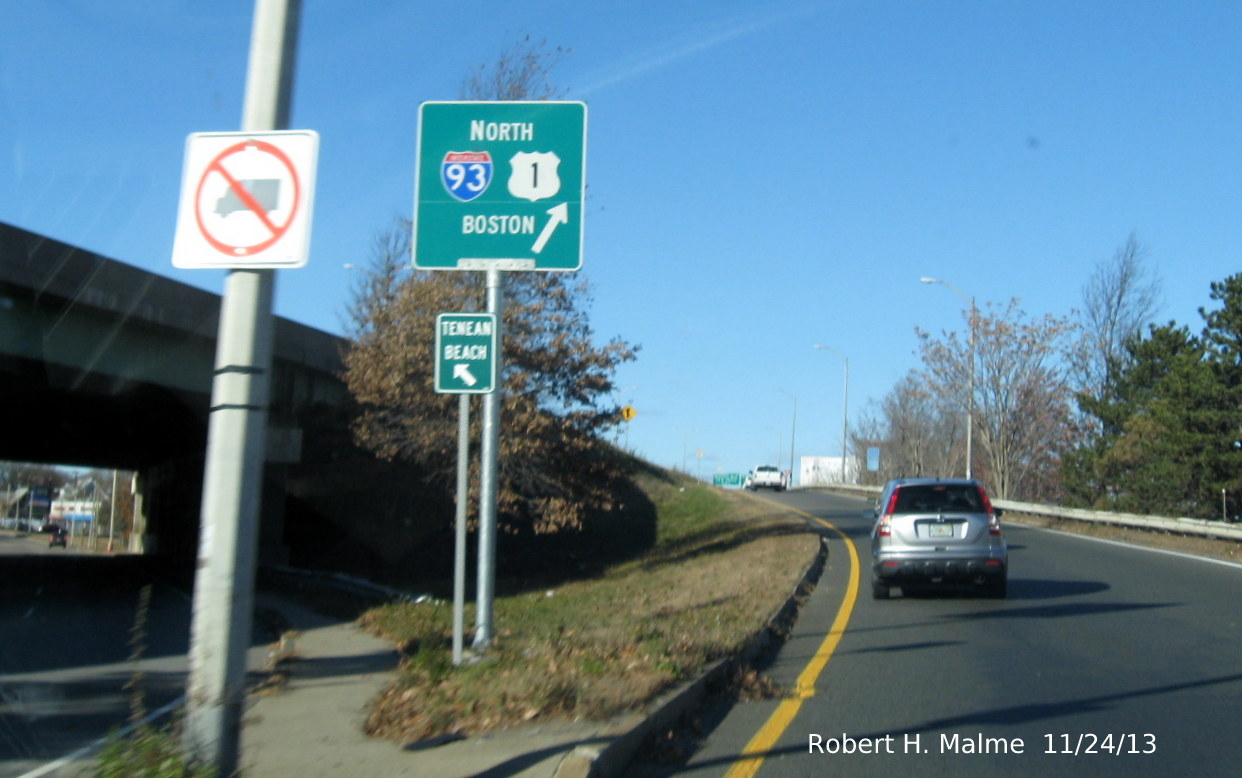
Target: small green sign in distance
465	353
500	185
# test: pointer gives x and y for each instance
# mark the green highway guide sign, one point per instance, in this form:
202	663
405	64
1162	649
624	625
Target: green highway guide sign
465	353
500	185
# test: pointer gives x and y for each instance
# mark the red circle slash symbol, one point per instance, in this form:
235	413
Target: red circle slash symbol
247	198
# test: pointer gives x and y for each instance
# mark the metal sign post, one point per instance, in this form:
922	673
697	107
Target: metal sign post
489	482
459	545
465	364
499	186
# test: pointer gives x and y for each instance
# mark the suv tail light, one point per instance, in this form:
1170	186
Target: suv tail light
885	528
987	502
994	527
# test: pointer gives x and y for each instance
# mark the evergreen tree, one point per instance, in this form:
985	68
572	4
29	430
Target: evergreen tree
1171	420
1145	463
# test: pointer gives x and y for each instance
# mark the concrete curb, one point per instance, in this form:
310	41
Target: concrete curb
344	583
629	733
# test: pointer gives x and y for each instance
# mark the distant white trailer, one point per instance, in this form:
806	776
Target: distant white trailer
820	471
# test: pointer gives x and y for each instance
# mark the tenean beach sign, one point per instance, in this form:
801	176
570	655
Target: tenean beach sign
500	185
465	353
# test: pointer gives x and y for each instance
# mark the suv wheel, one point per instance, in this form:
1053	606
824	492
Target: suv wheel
879	589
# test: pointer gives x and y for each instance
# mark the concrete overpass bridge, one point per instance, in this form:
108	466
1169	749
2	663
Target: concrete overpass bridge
106	365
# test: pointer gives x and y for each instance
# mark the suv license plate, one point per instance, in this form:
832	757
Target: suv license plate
940	531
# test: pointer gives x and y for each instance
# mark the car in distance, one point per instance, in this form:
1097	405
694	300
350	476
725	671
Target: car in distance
765	477
937	531
57	536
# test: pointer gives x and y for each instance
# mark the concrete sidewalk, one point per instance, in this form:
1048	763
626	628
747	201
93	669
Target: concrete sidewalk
313	726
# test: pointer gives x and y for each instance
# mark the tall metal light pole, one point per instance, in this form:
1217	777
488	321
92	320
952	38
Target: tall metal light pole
845	404
793	433
970	401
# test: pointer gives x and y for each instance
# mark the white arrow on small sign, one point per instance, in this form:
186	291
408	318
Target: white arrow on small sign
462	373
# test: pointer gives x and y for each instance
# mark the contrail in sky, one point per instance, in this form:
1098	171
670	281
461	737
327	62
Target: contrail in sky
681	49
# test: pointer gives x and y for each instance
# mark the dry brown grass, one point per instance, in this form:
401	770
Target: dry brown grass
722	565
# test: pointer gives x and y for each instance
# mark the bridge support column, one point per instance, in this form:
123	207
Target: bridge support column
138	533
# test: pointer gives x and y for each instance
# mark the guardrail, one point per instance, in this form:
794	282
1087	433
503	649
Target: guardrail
31	525
1180	526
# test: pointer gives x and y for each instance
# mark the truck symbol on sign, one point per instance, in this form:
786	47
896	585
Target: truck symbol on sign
264	191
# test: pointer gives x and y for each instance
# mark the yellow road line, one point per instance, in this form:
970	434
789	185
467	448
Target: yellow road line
804	688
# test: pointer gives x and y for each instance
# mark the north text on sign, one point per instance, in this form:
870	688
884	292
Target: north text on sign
501	131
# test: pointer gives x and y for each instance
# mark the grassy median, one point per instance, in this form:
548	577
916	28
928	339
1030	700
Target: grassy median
721	565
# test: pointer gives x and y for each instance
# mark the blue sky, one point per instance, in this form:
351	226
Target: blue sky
762	177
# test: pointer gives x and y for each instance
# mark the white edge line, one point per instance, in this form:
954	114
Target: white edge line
1109	541
99	745
102	742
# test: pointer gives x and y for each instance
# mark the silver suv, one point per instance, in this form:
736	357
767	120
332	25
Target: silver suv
935	530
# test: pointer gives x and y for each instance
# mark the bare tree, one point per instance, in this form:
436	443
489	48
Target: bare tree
521	73
912	416
867	431
1022	393
1119	300
917	428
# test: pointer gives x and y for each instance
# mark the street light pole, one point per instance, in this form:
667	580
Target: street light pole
845	404
793	433
970	401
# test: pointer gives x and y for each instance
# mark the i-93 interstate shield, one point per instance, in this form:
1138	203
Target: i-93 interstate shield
466	174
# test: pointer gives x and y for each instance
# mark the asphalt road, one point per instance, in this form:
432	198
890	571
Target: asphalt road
67	654
1104	660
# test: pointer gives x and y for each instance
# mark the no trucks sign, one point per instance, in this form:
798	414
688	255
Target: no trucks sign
246	200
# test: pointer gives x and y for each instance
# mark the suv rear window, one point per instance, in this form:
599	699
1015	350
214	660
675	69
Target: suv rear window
936	498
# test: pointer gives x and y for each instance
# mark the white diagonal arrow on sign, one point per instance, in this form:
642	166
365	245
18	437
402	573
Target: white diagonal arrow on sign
462	373
560	215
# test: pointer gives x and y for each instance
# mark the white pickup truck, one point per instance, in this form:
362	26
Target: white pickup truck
765	477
